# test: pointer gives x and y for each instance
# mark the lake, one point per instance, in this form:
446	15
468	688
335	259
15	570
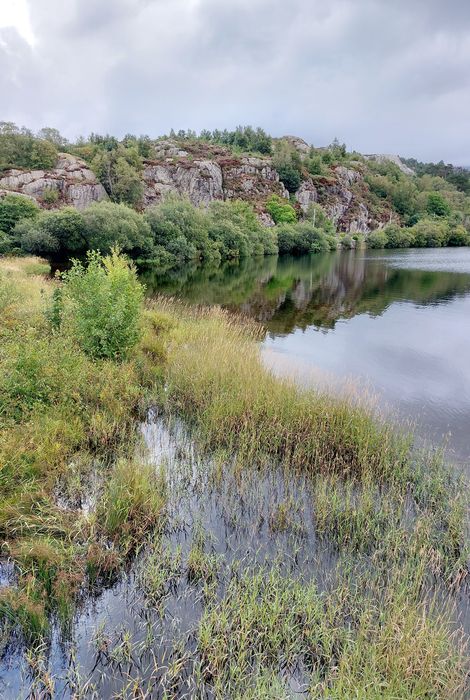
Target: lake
394	325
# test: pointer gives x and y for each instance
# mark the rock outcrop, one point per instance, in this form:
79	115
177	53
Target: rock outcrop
205	172
71	178
388	158
215	174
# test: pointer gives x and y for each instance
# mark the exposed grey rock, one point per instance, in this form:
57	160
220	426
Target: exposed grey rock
306	194
299	144
76	183
347	176
266	219
199	180
386	157
254	176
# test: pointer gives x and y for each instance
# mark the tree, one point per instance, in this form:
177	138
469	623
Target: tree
280	210
14	208
48	133
437	205
108	224
118	169
53	233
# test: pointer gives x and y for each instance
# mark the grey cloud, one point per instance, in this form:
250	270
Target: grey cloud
383	76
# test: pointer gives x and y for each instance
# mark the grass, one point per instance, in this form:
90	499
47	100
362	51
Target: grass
67	420
60	412
347	644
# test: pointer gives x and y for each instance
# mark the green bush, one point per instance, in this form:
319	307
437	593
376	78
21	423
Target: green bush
436	205
14	208
181	229
398	237
302	238
50	195
377	239
458	236
102	305
53	233
118	167
430	233
281	211
244	236
107	224
19	148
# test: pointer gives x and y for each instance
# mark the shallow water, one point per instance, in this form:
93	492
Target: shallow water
122	636
394	324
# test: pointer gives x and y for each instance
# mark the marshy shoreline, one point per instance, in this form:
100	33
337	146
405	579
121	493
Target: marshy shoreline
270	541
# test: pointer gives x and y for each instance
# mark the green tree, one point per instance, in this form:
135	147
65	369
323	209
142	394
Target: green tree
377	239
280	210
53	233
108	224
436	205
14	208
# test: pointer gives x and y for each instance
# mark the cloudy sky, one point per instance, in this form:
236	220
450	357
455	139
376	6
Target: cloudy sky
385	76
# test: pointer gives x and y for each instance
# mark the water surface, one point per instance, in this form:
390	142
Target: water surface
393	323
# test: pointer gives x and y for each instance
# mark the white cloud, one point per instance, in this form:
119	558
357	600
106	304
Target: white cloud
384	77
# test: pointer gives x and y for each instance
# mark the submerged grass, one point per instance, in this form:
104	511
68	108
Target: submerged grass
64	416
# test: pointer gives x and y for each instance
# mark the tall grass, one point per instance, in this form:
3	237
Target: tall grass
59	410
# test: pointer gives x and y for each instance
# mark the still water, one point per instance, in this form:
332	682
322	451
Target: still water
392	324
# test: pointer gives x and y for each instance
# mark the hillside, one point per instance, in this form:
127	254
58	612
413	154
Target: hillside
329	195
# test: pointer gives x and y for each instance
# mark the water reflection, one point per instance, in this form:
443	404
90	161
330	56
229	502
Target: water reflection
397	322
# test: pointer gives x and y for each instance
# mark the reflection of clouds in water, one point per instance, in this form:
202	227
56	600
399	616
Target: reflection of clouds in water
433	259
355	390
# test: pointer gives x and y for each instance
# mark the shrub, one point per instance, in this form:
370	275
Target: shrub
281	211
347	242
398	237
102	305
244	226
301	238
458	236
19	148
430	233
50	195
377	239
57	233
14	208
181	229
436	205
118	168
107	224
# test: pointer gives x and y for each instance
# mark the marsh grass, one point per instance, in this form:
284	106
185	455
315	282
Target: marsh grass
362	640
60	410
396	517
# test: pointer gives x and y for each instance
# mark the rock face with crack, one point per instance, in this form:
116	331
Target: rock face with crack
205	172
209	175
74	182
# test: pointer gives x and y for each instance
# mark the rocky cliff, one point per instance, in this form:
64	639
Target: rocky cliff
71	179
205	172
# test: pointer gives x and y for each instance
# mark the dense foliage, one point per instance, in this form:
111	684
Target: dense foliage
99	305
243	138
426	233
19	148
428	209
168	234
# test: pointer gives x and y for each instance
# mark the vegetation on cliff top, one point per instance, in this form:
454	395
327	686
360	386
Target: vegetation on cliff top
429	209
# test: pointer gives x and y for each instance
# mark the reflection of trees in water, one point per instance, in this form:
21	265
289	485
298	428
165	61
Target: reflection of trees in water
288	293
